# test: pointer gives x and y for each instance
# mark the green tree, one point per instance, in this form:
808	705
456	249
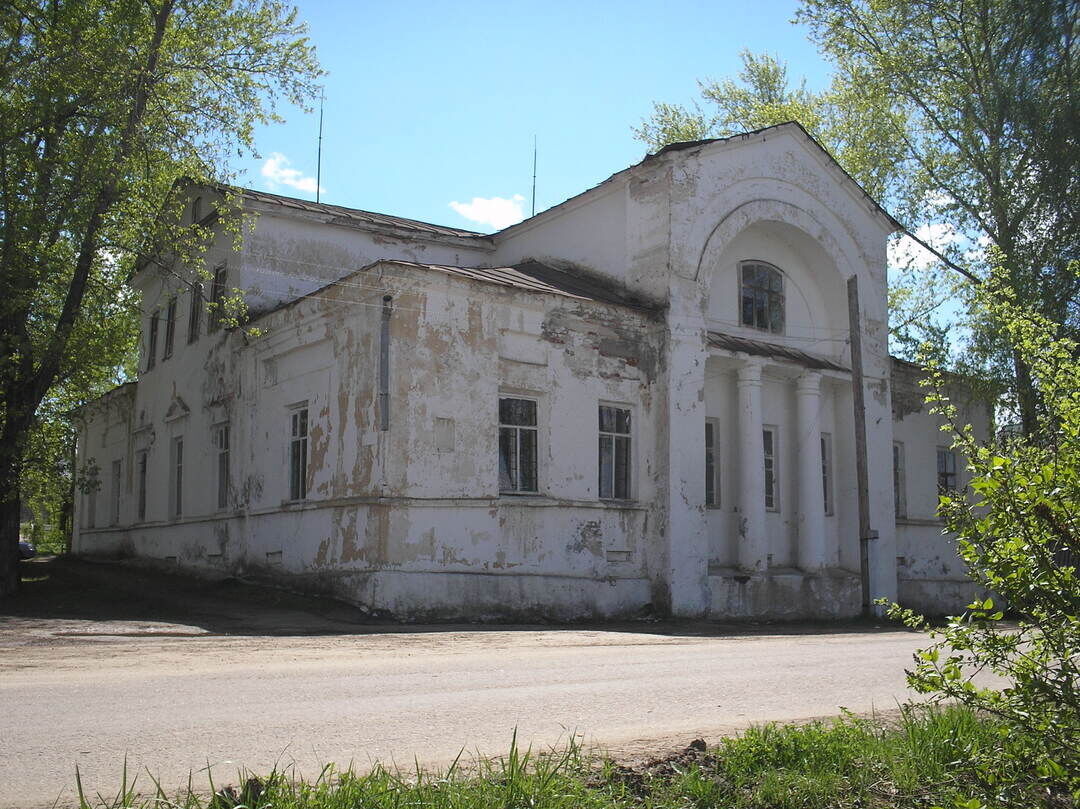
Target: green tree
984	94
1019	532
105	104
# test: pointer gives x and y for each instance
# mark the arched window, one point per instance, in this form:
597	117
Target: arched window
761	298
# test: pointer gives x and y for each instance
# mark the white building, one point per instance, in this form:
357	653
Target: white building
641	399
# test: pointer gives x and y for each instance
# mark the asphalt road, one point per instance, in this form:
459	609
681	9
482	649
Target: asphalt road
173	705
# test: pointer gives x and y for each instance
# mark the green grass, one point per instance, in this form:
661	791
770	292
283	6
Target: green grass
927	757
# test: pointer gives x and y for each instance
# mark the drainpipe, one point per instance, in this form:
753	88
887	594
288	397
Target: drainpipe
861	473
384	365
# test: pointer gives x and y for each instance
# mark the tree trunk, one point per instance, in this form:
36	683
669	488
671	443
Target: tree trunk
1025	397
10	507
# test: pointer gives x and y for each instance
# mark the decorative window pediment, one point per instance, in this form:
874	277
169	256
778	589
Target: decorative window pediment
178	409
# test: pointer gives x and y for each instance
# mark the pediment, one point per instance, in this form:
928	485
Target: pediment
178	409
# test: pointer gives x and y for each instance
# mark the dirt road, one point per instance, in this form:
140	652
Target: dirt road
236	677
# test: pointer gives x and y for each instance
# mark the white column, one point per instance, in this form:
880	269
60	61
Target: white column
687	575
811	492
753	541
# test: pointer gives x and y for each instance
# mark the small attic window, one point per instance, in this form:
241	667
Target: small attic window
196	210
761	296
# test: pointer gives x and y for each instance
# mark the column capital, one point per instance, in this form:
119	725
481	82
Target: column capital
809	382
749	372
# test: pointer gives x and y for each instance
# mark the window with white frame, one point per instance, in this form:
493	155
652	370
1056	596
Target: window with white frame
827	471
772	484
117	483
195	312
170	328
712	462
151	341
518	443
221	446
90	500
946	470
761	296
898	480
614	453
176	465
298	452
217	299
140	467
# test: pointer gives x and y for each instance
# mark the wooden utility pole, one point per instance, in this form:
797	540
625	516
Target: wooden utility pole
858	399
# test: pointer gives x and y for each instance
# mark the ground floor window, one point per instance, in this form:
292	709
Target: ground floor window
177	488
221	445
946	470
898	483
827	471
772	485
712	463
518	434
140	503
614	452
117	483
298	452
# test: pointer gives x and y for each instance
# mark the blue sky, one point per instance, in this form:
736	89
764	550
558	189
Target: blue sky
430	104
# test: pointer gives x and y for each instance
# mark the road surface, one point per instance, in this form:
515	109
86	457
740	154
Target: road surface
173	697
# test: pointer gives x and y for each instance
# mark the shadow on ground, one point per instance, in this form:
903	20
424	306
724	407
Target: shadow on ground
67	588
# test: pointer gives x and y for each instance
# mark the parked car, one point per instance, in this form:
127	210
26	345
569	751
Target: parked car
26	550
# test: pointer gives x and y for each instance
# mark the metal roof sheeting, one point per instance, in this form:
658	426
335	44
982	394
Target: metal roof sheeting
341	213
760	348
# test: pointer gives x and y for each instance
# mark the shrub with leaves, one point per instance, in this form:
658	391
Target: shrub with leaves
1018	529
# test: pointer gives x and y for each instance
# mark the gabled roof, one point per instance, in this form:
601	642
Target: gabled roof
794	126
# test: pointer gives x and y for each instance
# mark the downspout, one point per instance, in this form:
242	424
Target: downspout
384	365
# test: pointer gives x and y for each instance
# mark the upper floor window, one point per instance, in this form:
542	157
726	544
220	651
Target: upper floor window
151	343
761	296
196	210
170	328
194	312
217	299
946	470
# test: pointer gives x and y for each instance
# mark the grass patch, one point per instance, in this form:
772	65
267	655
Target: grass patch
945	757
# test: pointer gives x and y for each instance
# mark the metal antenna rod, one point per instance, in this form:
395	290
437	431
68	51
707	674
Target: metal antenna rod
534	178
318	162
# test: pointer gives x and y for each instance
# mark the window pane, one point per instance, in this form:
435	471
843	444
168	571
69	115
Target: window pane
622	468
607	419
507	459
607	463
527	460
517	411
747	307
761	303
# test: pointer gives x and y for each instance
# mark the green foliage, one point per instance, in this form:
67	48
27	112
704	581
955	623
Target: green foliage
920	759
1018	530
105	105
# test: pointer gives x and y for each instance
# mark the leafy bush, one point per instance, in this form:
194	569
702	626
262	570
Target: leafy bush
1018	529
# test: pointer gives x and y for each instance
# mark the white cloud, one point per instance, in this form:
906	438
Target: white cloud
277	172
496	212
905	252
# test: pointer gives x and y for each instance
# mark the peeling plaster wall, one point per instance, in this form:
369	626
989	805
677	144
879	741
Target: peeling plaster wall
288	255
410	520
931	576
